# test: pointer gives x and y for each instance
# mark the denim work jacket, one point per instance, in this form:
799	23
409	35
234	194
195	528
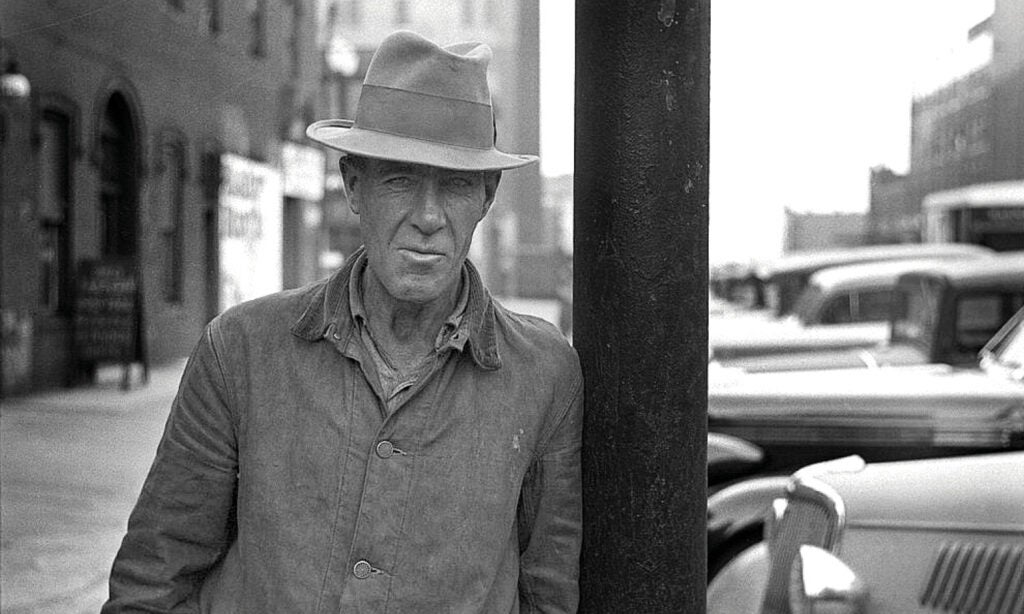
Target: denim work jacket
282	486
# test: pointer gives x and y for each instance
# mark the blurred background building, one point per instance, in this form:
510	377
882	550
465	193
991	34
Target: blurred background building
167	137
809	231
967	133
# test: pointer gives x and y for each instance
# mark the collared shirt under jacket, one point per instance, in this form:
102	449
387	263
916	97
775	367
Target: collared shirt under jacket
283	486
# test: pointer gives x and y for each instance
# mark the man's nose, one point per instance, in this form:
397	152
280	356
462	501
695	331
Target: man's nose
428	217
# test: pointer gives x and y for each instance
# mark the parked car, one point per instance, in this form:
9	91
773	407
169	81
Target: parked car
885	414
786	277
944	312
839	308
934	535
858	292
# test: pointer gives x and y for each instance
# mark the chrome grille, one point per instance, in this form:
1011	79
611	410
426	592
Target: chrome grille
812	515
976	578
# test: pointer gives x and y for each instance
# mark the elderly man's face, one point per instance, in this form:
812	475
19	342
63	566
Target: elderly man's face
417	223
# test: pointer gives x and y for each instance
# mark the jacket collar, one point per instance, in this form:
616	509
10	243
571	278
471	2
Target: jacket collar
329	313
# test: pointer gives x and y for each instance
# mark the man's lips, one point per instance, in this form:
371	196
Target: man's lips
419	254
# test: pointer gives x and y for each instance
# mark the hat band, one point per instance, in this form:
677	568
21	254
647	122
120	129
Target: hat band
426	117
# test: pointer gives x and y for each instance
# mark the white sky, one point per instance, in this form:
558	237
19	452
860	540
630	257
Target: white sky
806	96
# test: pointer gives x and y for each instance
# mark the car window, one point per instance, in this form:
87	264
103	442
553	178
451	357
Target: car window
978	317
837	310
808	307
873	305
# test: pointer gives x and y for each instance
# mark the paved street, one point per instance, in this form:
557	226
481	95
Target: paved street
71	465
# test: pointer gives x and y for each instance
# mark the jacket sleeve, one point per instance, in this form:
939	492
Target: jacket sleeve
184	520
550	518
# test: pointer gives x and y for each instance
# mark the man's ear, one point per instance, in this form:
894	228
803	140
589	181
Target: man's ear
491	181
350	174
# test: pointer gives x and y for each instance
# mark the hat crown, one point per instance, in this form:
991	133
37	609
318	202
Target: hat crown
425	104
407	61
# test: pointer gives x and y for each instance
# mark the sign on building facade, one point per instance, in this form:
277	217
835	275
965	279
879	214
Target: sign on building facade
250	230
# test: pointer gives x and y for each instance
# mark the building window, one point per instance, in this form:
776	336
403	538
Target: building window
402	11
213	16
467	12
118	187
170	218
257	25
54	212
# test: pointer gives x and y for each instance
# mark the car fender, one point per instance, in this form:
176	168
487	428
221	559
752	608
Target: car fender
730	457
739	587
739	508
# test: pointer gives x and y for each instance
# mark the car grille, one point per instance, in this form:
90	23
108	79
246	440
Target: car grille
976	578
813	515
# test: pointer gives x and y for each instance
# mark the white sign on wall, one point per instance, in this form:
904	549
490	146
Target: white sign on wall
250	229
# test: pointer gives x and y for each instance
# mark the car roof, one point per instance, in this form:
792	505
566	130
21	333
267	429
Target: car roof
997	194
811	261
1000	268
881	273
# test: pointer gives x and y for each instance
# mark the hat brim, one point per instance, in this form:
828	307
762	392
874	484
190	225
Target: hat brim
342	135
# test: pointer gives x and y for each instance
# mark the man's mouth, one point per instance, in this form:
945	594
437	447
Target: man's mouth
421	255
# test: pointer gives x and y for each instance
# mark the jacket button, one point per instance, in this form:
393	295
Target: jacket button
361	570
385	449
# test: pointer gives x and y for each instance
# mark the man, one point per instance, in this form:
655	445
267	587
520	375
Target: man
390	438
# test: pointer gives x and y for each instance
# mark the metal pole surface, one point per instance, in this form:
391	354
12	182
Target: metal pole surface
640	300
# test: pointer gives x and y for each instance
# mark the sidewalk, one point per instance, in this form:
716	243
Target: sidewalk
106	395
72	463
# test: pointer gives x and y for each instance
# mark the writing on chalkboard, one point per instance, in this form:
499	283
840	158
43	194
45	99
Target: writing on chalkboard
106	311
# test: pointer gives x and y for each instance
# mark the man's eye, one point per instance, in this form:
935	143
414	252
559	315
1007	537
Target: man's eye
460	182
398	182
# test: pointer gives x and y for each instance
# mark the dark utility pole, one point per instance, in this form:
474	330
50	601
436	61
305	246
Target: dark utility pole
640	300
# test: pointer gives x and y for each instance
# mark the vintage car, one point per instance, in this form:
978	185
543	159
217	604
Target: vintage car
786	277
858	292
845	536
839	308
885	414
943	312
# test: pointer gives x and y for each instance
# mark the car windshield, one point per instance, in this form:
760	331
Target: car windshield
809	304
916	313
1008	351
978	317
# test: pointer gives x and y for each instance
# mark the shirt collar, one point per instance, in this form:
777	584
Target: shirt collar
336	303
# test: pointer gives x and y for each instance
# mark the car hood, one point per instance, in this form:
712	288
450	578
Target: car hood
738	337
846	358
907	492
889	391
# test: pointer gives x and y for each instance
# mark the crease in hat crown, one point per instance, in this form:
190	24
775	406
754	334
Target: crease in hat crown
423	103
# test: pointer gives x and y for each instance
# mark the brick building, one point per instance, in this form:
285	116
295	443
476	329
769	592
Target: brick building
165	134
817	231
968	131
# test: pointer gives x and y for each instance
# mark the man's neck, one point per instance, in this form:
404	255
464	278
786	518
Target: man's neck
406	331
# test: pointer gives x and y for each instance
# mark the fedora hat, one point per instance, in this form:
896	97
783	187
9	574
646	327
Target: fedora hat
425	104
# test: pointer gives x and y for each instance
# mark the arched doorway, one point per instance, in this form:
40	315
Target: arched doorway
118	180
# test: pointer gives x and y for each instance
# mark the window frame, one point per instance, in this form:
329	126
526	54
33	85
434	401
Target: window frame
55	294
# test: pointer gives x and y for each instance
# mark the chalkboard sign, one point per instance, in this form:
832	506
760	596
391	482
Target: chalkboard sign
106	311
